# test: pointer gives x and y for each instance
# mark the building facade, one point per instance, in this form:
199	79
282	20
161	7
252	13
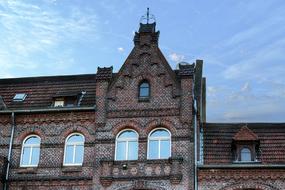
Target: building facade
243	156
142	128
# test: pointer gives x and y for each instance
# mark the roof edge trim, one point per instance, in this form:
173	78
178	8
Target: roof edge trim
40	110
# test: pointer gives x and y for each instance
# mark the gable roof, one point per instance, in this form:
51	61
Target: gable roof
245	134
41	90
218	137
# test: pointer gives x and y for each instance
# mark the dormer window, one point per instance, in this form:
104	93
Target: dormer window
245	146
20	97
67	100
144	90
59	102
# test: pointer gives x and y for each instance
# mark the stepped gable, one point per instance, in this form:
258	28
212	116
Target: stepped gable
104	73
186	69
145	61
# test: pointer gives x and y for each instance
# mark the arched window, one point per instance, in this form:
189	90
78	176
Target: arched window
30	155
245	155
127	145
159	144
74	149
144	89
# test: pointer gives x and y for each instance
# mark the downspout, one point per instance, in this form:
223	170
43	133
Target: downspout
195	147
10	150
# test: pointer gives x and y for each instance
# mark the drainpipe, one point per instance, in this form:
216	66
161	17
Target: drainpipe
10	150
195	146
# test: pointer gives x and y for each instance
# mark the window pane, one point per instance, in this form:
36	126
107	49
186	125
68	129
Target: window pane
128	134
245	154
160	133
69	155
144	92
165	149
79	152
33	140
145	85
121	151
75	138
35	156
153	149
26	156
133	151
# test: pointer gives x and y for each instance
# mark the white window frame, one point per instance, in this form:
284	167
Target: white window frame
59	102
31	146
74	144
127	140
159	139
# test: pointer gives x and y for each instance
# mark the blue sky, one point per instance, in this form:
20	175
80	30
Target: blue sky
242	43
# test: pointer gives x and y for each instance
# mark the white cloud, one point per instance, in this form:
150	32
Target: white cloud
35	35
246	87
176	57
211	90
120	49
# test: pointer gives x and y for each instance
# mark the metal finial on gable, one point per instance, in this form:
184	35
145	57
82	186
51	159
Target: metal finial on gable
148	18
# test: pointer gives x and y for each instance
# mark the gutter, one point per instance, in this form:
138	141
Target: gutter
41	110
195	147
242	166
10	151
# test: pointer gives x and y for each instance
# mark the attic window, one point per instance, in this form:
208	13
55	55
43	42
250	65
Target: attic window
67	101
144	90
245	146
20	97
59	102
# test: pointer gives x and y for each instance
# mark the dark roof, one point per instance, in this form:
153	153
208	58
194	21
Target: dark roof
186	70
218	138
104	73
41	90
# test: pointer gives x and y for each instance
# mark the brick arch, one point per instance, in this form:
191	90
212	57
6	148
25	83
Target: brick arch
129	124
144	76
161	123
250	186
30	131
69	130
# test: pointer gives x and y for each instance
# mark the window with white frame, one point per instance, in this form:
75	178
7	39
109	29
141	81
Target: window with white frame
74	149
159	144
127	145
30	155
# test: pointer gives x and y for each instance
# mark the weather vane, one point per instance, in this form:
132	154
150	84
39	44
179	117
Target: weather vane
148	17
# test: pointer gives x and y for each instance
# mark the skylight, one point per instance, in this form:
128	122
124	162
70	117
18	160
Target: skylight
19	97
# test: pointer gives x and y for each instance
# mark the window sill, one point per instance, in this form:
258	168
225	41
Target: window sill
144	99
27	170
73	168
247	162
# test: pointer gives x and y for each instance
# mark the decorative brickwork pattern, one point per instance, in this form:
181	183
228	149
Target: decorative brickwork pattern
117	106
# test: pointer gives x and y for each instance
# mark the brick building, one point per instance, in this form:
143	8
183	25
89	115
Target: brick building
132	130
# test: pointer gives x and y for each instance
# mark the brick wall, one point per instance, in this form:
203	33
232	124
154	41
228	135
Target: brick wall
52	128
117	107
238	179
